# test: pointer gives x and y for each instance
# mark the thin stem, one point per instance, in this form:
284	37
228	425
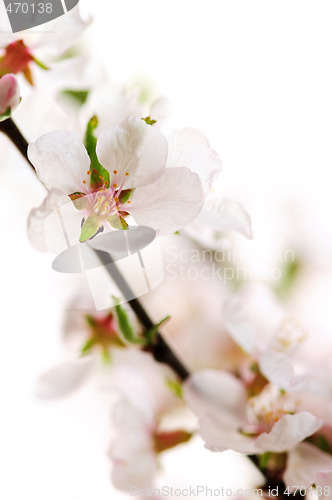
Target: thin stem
9	128
160	349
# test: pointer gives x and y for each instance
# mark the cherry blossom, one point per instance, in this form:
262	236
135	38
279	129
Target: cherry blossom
21	50
135	156
137	419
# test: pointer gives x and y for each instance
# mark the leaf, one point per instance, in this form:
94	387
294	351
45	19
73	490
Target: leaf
151	333
5	115
89	228
117	222
99	174
126	326
78	96
149	121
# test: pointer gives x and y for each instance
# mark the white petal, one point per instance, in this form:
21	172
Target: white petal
170	203
288	432
133	459
305	466
160	109
64	378
211	390
219	400
61	161
54	224
238	325
135	148
225	215
189	148
277	368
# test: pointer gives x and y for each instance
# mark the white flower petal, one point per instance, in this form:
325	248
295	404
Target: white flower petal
64	378
277	368
225	215
212	390
189	148
306	465
219	401
133	459
54	223
170	203
238	325
61	161
160	109
288	432
133	148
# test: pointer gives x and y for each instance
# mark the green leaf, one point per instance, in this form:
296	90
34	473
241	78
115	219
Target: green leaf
149	121
126	326
151	333
78	96
97	170
5	115
89	228
117	222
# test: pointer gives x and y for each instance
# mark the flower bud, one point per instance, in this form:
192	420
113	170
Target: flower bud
9	95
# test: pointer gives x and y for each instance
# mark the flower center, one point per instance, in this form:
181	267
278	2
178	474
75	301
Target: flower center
16	59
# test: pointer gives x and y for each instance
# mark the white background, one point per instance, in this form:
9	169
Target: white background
256	77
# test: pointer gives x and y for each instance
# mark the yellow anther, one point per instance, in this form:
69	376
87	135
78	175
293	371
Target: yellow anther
115	185
116	199
127	173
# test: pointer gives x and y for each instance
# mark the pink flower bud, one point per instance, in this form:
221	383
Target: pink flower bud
9	93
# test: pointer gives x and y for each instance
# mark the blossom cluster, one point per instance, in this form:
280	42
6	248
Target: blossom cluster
110	167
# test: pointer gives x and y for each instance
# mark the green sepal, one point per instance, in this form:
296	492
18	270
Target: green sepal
149	121
89	228
169	439
125	325
117	221
78	96
79	200
97	170
5	115
40	64
175	387
89	344
125	195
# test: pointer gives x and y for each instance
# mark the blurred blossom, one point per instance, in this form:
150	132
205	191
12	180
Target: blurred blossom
137	419
9	95
27	48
